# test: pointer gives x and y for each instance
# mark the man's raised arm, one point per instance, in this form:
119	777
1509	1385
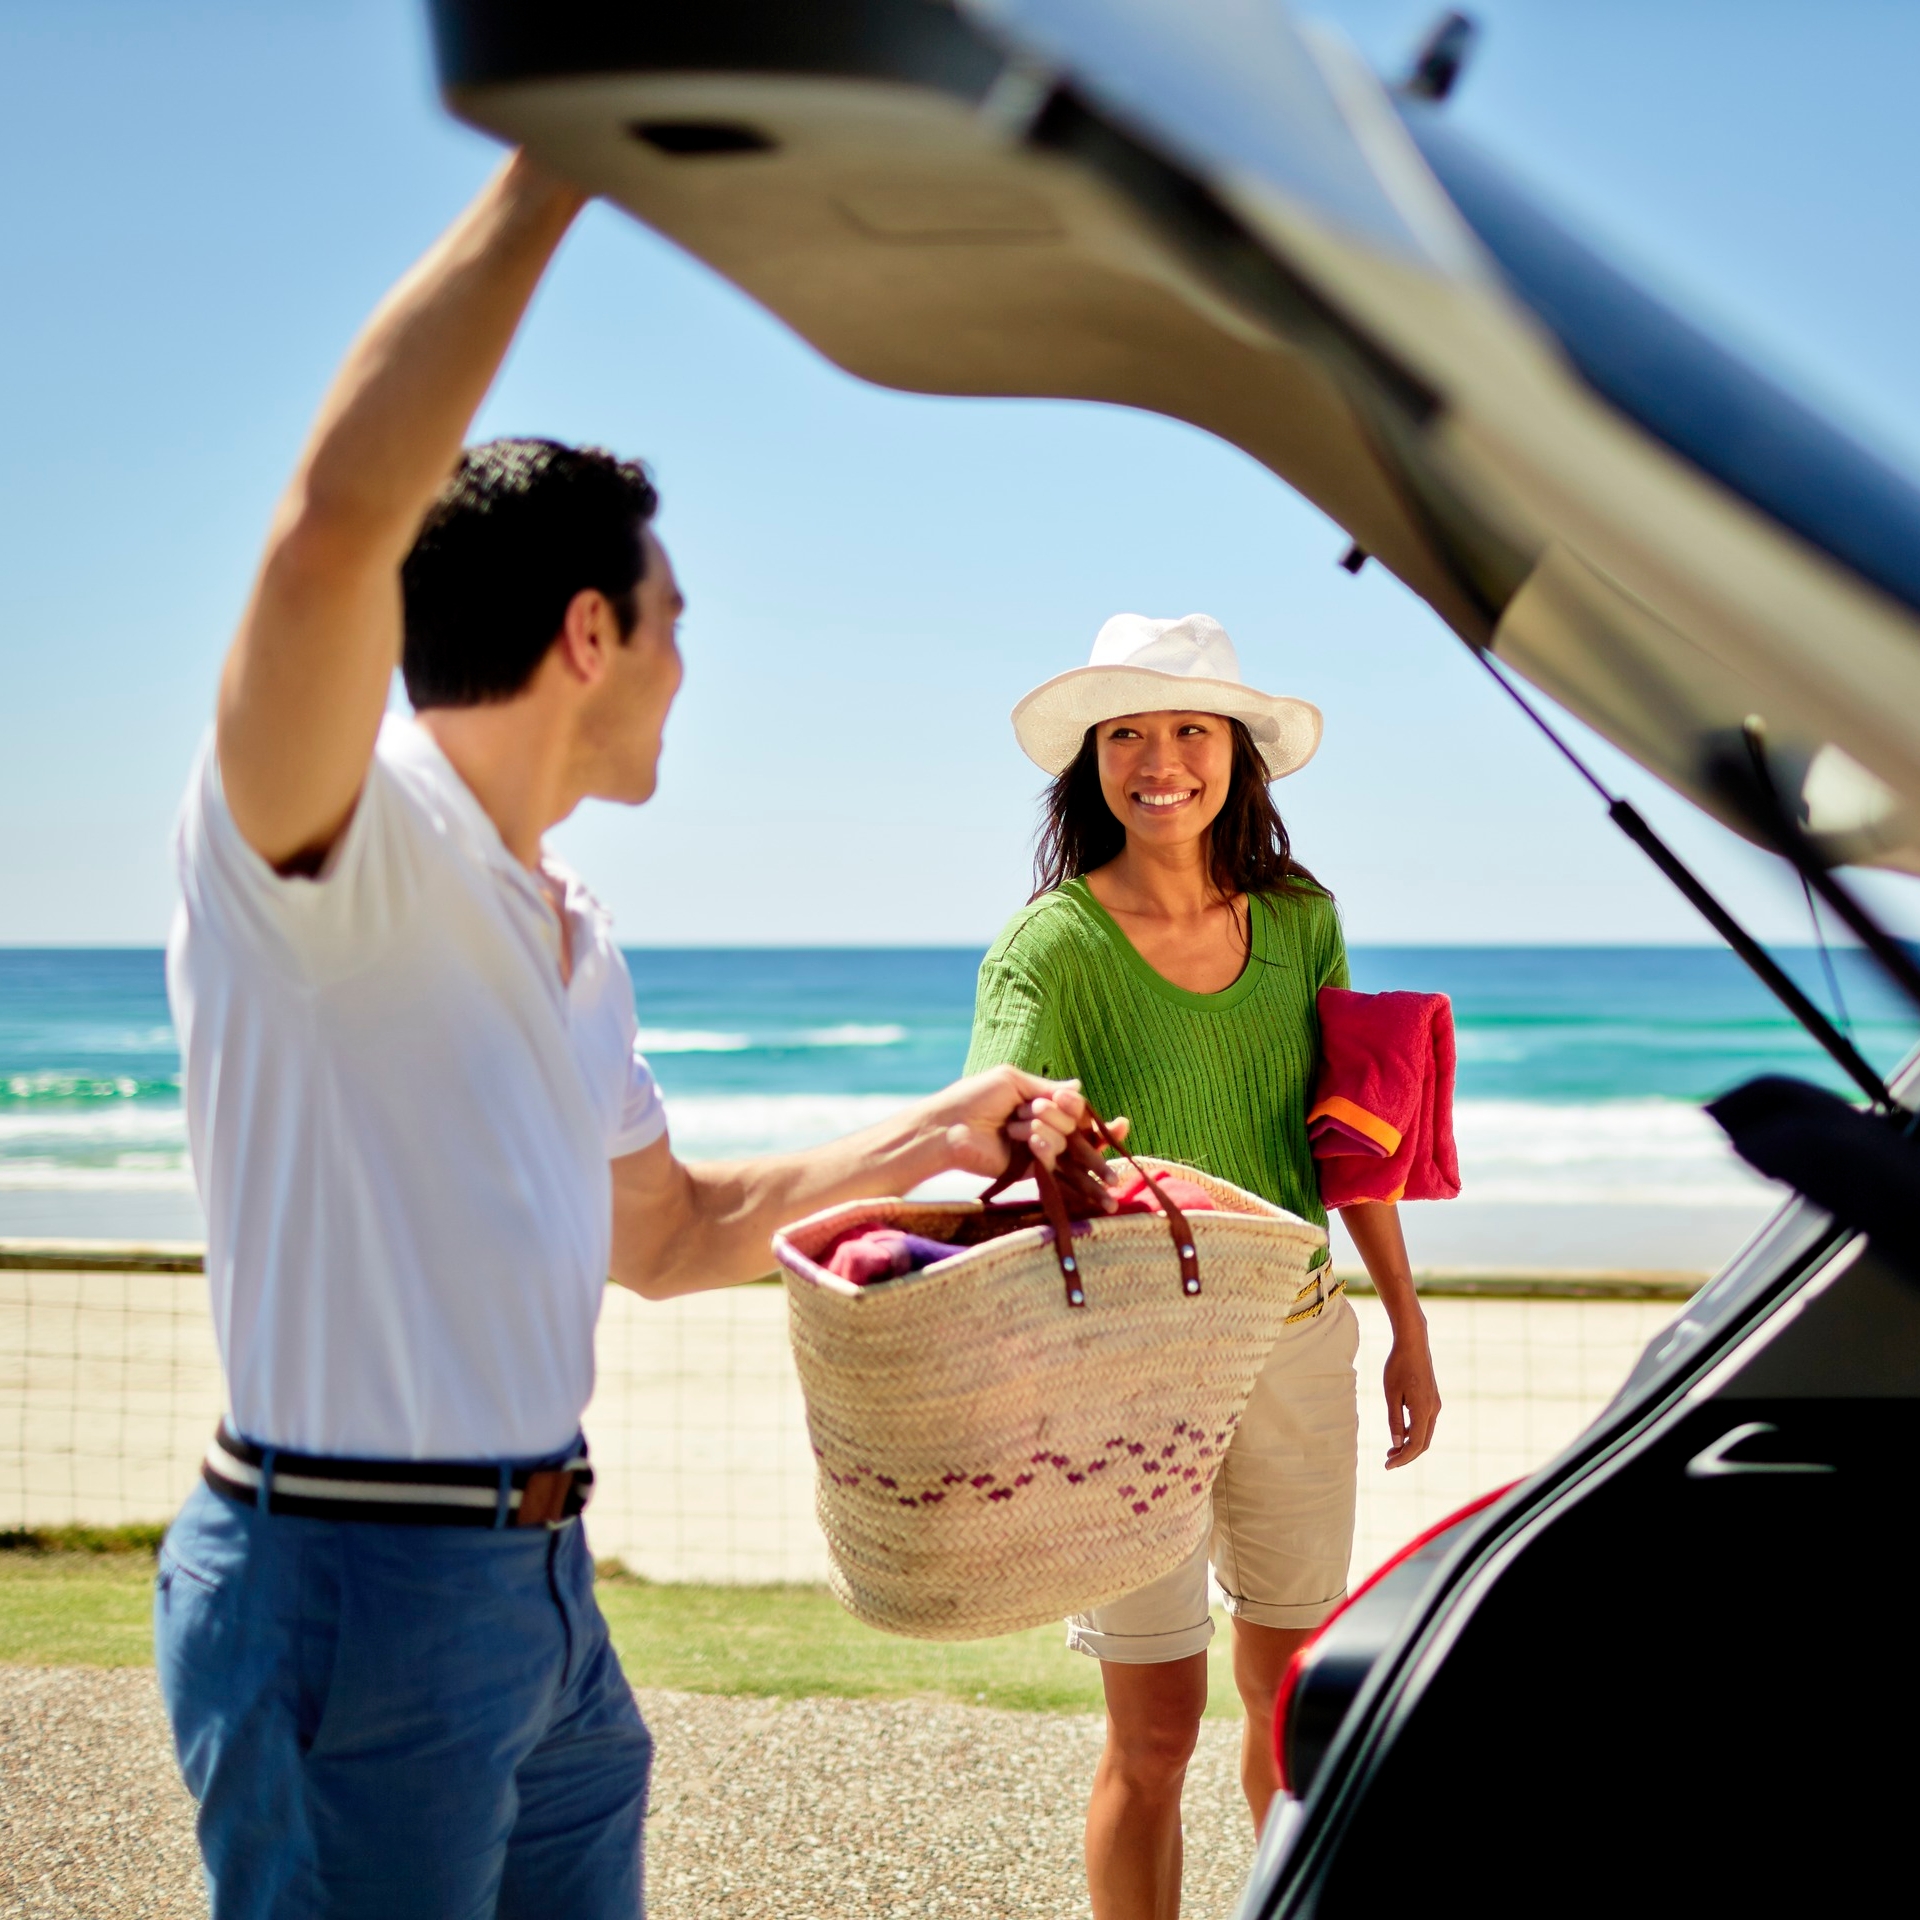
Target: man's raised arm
306	681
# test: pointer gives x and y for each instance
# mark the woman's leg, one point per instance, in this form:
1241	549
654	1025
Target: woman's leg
1283	1517
1260	1656
1133	1820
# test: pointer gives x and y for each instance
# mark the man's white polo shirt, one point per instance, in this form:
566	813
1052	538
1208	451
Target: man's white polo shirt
401	1120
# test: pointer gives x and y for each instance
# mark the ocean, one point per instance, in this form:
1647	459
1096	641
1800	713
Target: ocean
1581	1074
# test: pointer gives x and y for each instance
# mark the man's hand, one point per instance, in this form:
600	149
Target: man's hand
980	1116
306	680
1047	1121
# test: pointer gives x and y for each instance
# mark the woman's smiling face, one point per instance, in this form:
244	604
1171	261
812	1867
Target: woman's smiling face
1165	776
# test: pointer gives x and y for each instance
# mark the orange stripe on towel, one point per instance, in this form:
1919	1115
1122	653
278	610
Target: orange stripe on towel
1336	1106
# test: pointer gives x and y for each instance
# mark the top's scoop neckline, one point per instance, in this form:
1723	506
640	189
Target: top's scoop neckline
1223	999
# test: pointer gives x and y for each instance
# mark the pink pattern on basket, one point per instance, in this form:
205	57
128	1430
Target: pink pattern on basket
987	1487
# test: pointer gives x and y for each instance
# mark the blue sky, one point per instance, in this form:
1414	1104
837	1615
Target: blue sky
207	198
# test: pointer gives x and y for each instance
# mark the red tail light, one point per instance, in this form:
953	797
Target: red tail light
1283	1700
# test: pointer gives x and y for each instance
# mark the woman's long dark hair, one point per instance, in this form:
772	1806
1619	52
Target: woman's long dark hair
1247	846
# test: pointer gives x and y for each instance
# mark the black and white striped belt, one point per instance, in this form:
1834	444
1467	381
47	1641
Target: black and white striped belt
410	1493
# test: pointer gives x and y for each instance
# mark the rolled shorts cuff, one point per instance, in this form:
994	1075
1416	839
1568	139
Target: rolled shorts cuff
1309	1613
1140	1649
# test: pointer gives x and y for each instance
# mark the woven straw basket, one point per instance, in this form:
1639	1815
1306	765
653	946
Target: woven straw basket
992	1453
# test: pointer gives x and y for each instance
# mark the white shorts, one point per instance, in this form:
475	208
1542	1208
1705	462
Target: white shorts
1282	1505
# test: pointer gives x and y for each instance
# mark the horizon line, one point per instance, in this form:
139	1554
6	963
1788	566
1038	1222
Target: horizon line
981	946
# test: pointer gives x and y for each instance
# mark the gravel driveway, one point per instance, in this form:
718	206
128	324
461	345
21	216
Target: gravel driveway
811	1810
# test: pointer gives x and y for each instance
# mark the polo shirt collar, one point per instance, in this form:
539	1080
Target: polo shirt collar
409	743
413	747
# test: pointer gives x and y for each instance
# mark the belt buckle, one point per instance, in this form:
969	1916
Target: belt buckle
543	1500
1321	1295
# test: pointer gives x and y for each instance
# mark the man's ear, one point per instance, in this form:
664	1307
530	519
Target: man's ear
589	631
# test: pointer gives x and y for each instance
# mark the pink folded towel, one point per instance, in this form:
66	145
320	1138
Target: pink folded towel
1381	1122
884	1253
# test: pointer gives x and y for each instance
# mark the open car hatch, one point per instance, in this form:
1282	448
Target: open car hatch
1206	212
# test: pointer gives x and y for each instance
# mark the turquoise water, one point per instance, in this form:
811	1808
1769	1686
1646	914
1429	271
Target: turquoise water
1580	1069
1546	1024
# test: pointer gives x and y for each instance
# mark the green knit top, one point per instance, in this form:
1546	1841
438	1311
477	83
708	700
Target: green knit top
1219	1080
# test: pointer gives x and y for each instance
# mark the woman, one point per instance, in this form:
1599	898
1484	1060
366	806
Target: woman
1169	959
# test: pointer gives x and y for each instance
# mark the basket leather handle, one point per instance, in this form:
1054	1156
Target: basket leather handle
1053	1203
1176	1220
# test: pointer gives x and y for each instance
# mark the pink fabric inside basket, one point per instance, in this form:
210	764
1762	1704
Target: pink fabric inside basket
868	1255
865	1255
1137	1197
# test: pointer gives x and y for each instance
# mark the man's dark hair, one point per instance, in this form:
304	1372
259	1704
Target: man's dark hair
520	527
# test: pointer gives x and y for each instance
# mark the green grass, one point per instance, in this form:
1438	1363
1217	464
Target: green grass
67	1607
76	1597
82	1539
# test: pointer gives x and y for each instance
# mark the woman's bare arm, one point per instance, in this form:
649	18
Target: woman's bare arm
1413	1395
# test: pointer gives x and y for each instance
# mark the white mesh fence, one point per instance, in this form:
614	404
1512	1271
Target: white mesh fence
110	1387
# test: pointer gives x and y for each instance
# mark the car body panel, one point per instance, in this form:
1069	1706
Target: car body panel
1751	1464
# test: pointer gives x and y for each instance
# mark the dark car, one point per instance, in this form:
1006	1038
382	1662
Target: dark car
1674	1667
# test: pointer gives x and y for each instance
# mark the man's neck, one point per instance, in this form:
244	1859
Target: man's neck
517	761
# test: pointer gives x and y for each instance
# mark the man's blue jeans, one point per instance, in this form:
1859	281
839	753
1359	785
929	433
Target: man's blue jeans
398	1720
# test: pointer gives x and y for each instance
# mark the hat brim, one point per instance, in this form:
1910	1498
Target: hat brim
1052	721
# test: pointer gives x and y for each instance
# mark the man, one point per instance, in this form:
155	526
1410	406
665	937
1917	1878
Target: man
423	1141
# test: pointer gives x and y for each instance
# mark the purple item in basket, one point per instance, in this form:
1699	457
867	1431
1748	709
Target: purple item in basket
884	1253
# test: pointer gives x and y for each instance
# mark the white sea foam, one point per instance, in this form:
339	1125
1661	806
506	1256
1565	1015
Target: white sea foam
691	1040
79	1128
1640	1153
1613	1152
663	1040
731	1126
1541	1134
66	1083
49	1176
853	1035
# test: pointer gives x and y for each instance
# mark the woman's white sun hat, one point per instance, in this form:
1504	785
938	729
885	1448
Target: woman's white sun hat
1161	666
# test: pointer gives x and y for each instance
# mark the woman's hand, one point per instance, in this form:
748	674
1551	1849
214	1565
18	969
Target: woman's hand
1413	1396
